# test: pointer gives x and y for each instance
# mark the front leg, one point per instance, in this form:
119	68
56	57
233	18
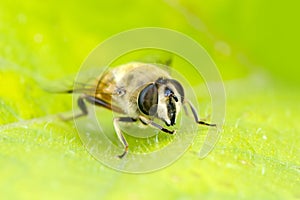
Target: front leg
120	134
196	115
129	119
155	125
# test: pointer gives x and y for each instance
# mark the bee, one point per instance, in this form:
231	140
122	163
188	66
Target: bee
140	92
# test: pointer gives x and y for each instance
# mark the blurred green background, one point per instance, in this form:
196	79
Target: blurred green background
255	44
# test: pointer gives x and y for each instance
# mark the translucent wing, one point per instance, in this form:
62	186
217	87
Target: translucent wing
100	87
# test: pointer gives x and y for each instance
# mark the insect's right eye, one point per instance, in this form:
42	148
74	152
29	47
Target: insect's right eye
179	88
148	99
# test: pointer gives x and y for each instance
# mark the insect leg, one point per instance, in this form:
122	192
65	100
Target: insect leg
196	116
185	109
82	106
83	109
120	134
155	125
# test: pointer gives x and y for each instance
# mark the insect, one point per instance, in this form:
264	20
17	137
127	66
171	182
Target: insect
139	92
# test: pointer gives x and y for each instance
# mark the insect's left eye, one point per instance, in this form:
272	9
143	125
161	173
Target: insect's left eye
148	99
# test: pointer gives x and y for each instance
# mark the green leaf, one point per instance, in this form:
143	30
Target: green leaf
42	157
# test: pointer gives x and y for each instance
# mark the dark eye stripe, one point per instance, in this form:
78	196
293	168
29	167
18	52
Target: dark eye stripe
171	107
148	99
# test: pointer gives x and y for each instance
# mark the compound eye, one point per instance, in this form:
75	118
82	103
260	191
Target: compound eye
179	88
148	99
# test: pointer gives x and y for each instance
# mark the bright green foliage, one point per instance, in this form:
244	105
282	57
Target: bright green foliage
256	49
